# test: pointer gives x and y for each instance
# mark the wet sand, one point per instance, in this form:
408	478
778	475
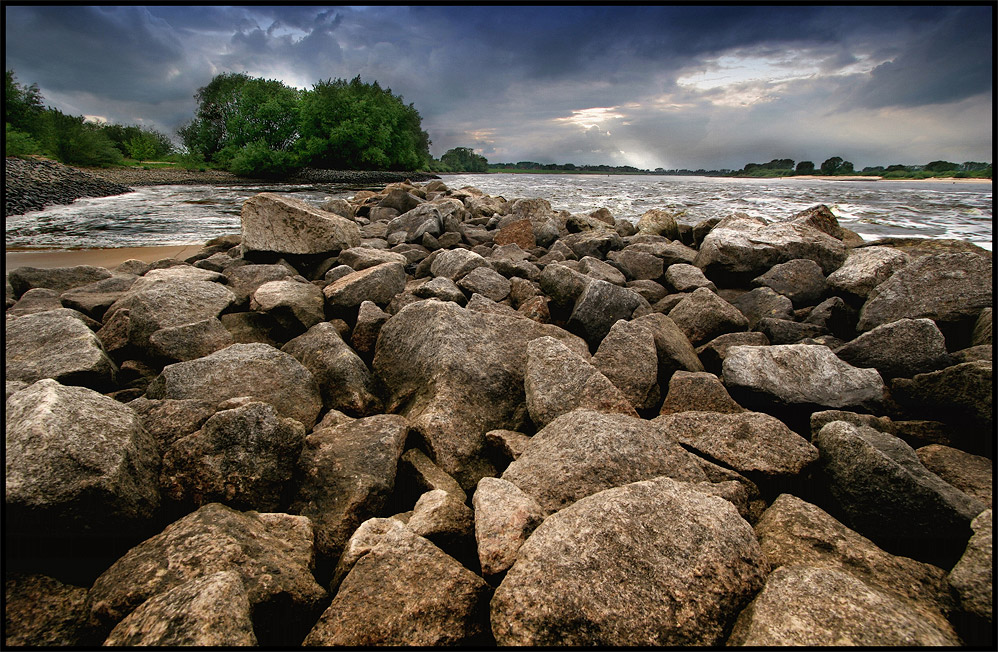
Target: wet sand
109	258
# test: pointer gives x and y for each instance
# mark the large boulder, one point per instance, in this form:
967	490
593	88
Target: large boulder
973	576
256	370
277	223
346	475
378	284
971	474
702	316
95	298
41	611
295	305
697	390
244	280
875	483
584	452
78	464
658	221
403	590
59	279
55	344
628	357
800	280
652	563
413	224
901	348
504	517
962	394
456	374
864	269
598	307
271	553
675	352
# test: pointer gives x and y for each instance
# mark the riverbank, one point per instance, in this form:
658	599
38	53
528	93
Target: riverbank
180	176
107	258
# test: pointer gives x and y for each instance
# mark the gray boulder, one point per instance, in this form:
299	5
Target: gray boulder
962	394
652	563
785	331
697	390
598	307
456	263
800	280
256	370
703	315
637	265
170	419
359	258
628	357
865	268
683	277
487	282
77	463
59	279
243	281
378	284
971	474
877	486
277	223
504	517
441	288
94	299
411	225
35	300
658	221
189	341
597	269
584	452
901	348
672	346
711	355
973	576
55	344
370	319
295	305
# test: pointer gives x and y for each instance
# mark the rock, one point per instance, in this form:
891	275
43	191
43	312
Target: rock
211	610
593	243
58	279
242	457
973	575
698	390
370	319
253	328
274	222
340	207
417	474
627	356
54	344
344	381
255	370
412	225
400	200
946	288
347	474
563	284
378	284
658	221
652	563
456	263
441	288
271	553
754	444
971	474
784	331
651	291
683	277
35	300
983	330
41	611
866	268
558	380
455	374
189	341
244	280
584	452
599	270
486	282
902	348
703	315
876	485
364	538
77	464
798	375
793	532
170	419
712	354
520	233
800	280
835	316
180	272
359	258
444	519
637	265
671	253
962	394
504	517
805	606
509	444
763	302
673	347
404	591
296	306
598	307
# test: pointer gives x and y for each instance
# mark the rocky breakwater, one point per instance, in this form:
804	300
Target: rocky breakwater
429	416
31	184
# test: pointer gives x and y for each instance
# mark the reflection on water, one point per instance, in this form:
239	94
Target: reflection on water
180	215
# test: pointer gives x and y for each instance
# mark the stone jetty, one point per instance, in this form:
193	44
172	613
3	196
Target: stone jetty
427	416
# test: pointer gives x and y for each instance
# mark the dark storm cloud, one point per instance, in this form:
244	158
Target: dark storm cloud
682	86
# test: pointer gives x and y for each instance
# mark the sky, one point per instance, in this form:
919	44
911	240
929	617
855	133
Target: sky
676	86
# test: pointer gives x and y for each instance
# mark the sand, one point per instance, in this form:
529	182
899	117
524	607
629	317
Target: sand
109	258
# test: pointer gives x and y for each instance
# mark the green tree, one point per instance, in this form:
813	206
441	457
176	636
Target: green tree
141	147
804	167
207	133
464	159
19	143
831	166
941	166
845	168
122	135
22	105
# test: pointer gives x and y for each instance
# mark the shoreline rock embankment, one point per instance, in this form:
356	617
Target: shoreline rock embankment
33	184
428	416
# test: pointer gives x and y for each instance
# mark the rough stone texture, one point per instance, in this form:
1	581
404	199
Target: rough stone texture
712	354
170	419
683	277
255	370
76	463
509	444
244	280
455	374
370	319
973	576
805	606
295	305
901	348
945	288
274	222
190	341
748	442
441	288
54	344
784	331
637	265
971	474
650	290
865	268
698	390
628	357
344	381
703	315
584	452
41	611
504	517
347	474
272	554
836	316
211	610
651	563
379	284
562	284
413	224
797	374
359	258
658	221
520	233
487	282
962	394
363	539
455	263
444	519
417	474
794	532
983	332
557	380
404	591
799	280
597	309
242	457
876	485
35	300
59	279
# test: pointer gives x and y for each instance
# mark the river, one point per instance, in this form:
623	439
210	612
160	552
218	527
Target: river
185	215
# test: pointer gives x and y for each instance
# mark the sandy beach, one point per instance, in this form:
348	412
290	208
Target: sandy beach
866	178
108	258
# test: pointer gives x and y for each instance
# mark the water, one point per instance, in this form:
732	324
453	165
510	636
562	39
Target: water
185	215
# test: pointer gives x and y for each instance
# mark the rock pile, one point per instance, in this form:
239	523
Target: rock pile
32	184
429	416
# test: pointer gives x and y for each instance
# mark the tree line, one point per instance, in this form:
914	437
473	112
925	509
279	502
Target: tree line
836	166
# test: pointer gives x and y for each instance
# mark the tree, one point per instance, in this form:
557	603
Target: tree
22	105
141	147
845	168
207	133
805	167
831	166
464	159
941	166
